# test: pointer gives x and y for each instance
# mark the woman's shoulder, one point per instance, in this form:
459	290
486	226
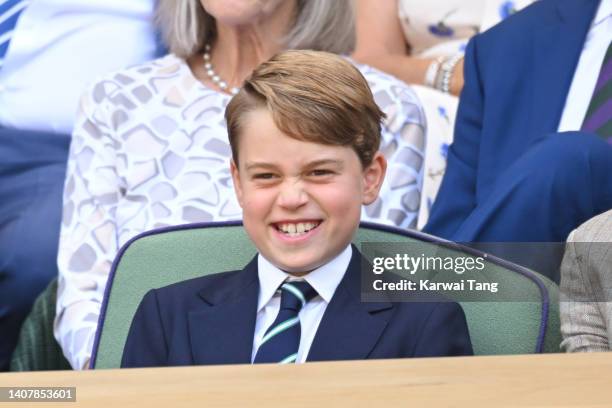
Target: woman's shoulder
140	76
167	65
390	92
380	80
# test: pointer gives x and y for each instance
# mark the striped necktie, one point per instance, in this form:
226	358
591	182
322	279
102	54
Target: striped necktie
9	14
598	118
282	339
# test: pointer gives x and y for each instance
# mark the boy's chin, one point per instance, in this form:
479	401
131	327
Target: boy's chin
299	270
298	267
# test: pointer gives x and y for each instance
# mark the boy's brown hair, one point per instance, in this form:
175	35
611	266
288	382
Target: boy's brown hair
312	96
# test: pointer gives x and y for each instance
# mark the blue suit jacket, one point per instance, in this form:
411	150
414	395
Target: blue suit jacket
517	76
211	320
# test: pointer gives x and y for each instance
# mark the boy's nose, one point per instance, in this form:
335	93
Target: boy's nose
292	195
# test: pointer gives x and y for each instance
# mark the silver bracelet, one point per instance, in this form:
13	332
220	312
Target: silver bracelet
432	72
446	72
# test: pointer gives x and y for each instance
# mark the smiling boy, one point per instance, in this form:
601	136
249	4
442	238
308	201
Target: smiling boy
305	133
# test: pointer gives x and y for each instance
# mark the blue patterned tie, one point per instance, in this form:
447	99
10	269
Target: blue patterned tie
282	339
598	118
9	14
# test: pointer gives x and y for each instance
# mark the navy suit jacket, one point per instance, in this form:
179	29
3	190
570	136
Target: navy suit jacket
517	76
211	320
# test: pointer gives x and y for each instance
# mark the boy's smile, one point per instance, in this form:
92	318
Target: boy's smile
301	200
296	229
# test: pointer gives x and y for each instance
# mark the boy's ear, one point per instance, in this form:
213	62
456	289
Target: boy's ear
236	180
373	177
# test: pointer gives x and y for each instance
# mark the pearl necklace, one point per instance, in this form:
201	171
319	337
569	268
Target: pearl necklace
213	76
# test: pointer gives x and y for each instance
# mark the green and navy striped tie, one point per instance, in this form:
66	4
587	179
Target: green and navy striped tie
598	118
282	339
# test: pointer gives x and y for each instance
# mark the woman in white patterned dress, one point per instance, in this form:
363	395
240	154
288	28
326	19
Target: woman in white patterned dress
422	43
150	146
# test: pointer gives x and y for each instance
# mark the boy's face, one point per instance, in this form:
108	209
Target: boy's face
301	201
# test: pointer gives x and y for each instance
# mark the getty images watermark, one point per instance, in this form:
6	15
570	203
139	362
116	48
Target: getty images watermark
424	271
411	264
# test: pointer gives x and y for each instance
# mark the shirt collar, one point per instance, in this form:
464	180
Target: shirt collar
603	11
324	279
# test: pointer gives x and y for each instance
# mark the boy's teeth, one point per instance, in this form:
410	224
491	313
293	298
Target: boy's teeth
298	228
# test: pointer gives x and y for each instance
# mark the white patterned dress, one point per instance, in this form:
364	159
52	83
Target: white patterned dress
150	149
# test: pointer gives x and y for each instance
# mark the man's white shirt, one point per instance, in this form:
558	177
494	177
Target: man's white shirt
583	83
59	47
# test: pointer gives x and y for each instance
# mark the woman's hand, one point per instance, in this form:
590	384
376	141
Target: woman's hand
381	44
456	83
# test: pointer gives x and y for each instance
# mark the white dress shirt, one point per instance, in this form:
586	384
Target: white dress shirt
324	280
60	46
592	56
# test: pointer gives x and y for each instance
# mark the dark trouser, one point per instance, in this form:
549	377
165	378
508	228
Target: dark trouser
32	169
559	183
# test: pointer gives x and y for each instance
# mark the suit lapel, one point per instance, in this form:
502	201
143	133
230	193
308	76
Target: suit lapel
349	329
557	46
222	331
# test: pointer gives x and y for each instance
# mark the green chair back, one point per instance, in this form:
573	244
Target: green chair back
36	348
161	257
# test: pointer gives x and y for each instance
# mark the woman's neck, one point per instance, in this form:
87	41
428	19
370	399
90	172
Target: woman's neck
238	49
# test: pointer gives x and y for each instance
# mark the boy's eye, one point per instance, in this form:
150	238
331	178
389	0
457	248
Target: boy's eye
320	172
264	176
